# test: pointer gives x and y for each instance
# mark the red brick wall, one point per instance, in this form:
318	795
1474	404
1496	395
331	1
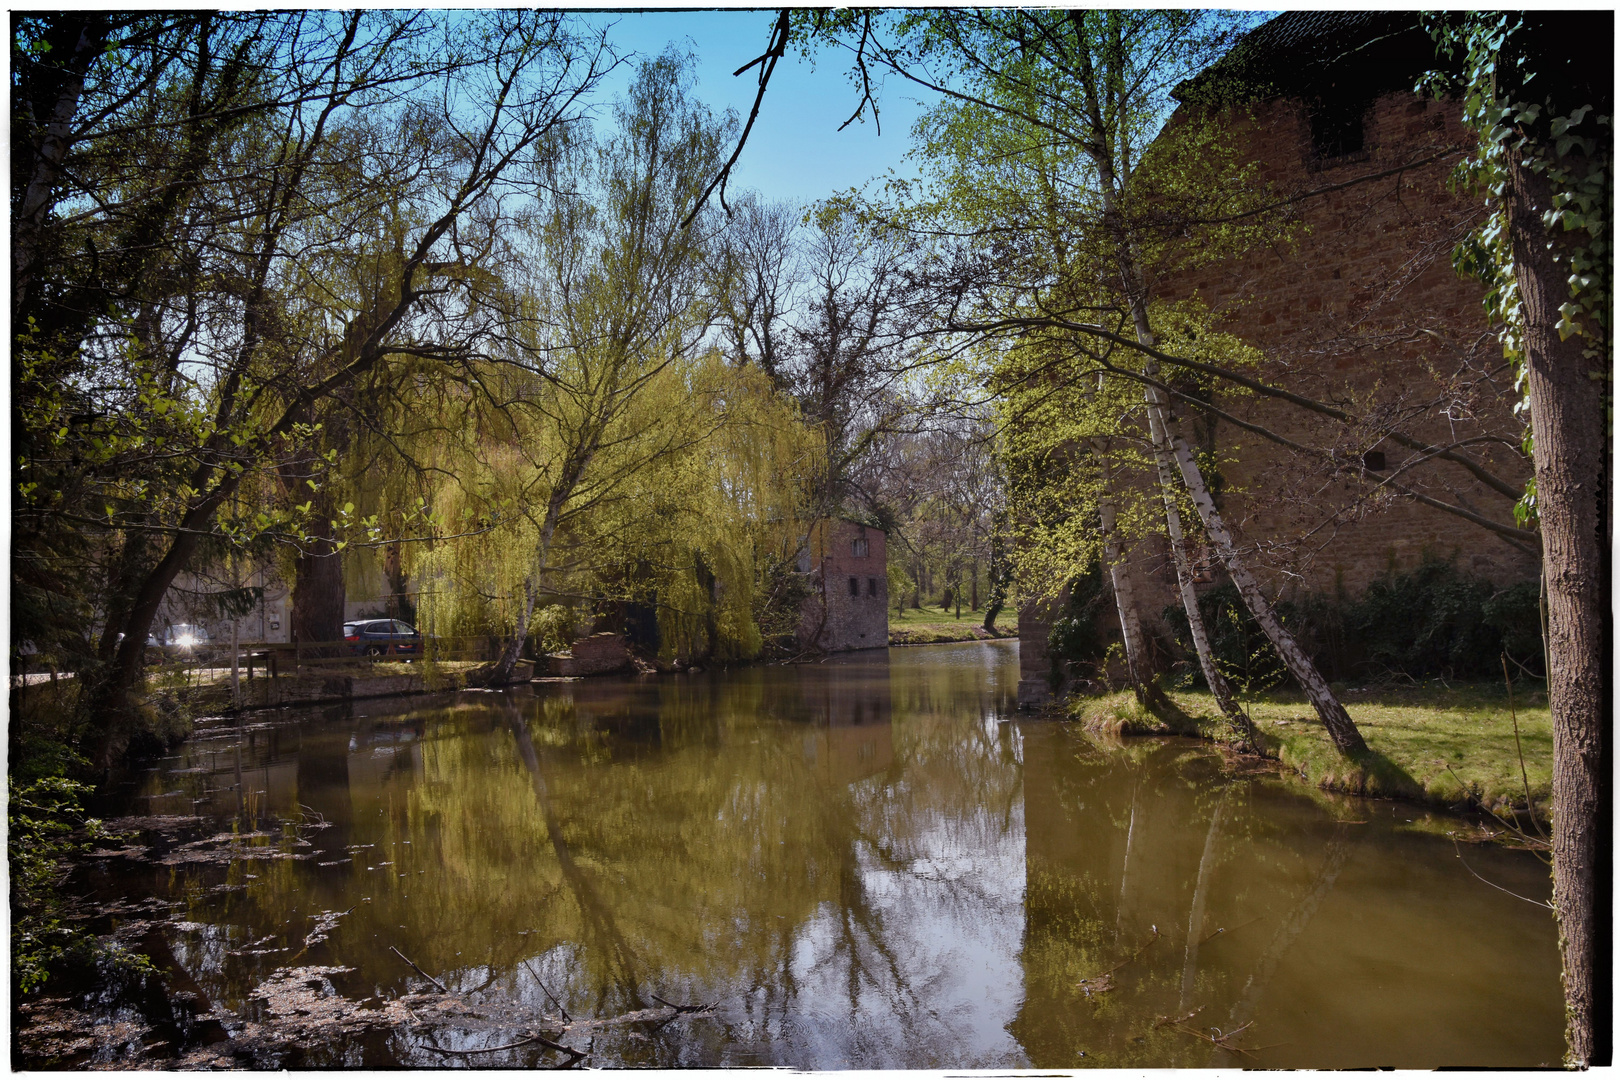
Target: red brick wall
1355	304
832	619
1361	308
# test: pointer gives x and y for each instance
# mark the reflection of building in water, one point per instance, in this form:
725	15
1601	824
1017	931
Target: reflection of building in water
850	710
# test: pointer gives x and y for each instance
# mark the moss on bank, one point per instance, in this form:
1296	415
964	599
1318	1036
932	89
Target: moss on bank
1430	742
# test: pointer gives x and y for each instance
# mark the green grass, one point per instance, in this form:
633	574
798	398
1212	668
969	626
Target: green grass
930	625
1430	742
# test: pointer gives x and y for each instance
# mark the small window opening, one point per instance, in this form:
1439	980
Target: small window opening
1337	126
871	586
1373	461
854	587
858	548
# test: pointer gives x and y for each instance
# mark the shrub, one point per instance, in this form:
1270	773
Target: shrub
45	818
1428	622
1434	620
1239	647
1076	637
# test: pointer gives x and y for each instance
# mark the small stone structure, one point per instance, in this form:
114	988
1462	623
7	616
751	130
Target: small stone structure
597	654
848	605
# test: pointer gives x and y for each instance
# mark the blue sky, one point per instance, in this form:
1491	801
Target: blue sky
795	151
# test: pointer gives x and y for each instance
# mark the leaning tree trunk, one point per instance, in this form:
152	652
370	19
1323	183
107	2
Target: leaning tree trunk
1184	579
1130	620
1341	729
1567	416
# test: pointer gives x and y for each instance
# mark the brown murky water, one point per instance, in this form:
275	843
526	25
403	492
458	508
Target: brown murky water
872	862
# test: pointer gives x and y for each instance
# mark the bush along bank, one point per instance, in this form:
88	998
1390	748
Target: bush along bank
1460	746
1434	621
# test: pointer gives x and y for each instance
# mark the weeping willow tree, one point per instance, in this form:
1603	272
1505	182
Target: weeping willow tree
697	483
604	453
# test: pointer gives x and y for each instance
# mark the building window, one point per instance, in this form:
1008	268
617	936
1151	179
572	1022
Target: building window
854	587
1374	461
1338	124
858	548
871	586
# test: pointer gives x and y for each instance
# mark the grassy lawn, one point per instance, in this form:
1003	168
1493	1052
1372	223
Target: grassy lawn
1434	742
929	625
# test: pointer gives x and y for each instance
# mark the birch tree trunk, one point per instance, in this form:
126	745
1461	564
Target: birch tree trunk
1130	619
1341	729
1189	596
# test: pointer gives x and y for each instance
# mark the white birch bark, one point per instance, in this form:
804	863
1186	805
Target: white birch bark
1341	729
1119	573
1189	596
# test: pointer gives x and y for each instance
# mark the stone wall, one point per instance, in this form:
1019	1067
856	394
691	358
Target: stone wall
598	654
848	607
1360	308
1353	303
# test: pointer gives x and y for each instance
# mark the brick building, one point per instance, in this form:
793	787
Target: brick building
848	605
1354	303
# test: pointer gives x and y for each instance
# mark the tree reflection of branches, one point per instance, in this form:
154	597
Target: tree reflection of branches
1339	849
598	918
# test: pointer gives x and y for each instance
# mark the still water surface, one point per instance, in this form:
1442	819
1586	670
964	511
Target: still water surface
870	862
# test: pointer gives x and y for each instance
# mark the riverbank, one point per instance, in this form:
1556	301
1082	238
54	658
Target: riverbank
936	626
1450	745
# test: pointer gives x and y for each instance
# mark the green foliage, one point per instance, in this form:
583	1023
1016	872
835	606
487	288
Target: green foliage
1432	621
1428	621
1522	112
611	456
1239	647
46	829
1076	637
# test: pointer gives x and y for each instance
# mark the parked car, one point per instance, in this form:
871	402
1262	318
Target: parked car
382	637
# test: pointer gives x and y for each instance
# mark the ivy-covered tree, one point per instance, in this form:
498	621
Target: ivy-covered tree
1538	91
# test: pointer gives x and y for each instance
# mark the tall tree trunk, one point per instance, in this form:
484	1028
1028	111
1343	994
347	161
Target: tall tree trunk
399	605
88	35
318	591
109	699
1137	668
1189	595
1567	417
1341	729
997	575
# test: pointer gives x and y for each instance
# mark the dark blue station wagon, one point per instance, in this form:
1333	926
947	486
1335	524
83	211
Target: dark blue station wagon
382	637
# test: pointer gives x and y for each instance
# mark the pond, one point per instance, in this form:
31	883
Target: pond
870	862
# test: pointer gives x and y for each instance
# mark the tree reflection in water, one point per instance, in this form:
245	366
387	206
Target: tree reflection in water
869	863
